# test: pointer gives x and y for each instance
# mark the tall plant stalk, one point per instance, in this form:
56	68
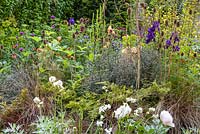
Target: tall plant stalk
139	46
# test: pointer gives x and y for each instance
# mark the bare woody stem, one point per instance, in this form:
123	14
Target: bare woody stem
139	46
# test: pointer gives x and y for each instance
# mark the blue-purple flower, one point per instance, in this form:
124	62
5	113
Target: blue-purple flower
21	49
168	44
176	48
71	21
21	33
53	17
151	32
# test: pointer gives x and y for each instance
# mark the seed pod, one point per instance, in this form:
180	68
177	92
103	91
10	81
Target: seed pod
178	24
162	33
190	12
129	11
166	23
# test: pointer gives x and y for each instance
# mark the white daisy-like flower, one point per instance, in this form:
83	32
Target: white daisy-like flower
52	79
108	131
99	123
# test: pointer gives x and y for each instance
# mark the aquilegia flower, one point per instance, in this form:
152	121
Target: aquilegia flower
52	79
151	32
166	118
59	84
108	131
71	21
104	108
99	123
122	111
38	102
176	48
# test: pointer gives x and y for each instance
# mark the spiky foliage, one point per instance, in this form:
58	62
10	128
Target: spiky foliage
11	84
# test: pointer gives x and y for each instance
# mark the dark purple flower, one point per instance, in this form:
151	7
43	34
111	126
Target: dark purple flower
176	39
32	34
156	24
176	48
21	33
53	17
21	49
71	21
168	42
151	32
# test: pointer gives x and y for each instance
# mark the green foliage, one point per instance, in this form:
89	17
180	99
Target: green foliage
13	129
52	125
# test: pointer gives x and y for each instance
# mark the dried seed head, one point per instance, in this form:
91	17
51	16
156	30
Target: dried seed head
154	10
175	21
190	12
178	24
166	23
143	5
162	33
129	11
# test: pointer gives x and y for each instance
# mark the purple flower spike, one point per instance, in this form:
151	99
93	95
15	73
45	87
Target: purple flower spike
21	49
53	17
71	21
21	33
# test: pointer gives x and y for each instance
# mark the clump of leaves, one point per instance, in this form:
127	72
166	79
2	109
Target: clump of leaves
121	68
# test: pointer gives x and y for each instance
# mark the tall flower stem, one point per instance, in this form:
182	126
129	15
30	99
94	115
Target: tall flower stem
139	46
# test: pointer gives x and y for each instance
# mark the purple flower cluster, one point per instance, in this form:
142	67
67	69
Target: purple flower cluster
173	38
71	21
151	32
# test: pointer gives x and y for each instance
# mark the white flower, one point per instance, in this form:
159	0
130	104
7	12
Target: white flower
52	79
104	87
36	100
108	131
104	108
131	100
122	111
101	117
99	123
59	84
151	109
140	110
147	113
166	118
155	116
